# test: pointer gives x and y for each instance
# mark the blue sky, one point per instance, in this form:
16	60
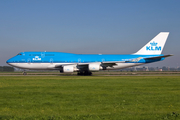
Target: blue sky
88	26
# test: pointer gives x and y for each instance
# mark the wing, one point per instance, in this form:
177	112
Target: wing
84	66
62	65
111	64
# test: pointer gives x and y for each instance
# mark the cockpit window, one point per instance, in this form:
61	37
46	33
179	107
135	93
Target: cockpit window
19	54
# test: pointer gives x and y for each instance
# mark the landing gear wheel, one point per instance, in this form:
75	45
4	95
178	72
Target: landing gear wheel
90	73
24	73
84	73
87	73
80	73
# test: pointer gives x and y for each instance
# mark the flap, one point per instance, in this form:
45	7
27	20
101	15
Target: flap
111	64
61	65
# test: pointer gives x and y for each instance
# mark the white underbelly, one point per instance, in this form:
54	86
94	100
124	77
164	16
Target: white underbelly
37	66
52	66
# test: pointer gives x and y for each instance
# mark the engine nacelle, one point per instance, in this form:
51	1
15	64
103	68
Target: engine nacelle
94	67
67	69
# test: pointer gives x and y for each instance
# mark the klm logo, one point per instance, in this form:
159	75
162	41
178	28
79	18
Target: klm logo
36	58
153	47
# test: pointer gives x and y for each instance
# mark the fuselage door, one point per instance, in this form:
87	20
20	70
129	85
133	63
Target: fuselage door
103	60
79	60
43	54
29	60
51	60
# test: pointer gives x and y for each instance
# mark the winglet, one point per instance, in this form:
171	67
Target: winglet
155	46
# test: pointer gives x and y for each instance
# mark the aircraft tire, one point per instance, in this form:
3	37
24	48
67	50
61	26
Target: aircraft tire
85	73
24	73
80	73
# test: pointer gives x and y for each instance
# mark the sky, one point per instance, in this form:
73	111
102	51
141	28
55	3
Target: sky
88	27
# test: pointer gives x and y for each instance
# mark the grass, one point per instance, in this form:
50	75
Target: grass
90	97
161	73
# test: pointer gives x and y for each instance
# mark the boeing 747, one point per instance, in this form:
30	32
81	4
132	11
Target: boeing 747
85	64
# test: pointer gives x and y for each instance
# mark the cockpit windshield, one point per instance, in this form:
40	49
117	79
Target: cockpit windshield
19	54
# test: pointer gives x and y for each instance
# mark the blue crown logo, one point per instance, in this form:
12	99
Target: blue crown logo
153	44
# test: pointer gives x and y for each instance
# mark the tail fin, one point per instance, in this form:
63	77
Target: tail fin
155	46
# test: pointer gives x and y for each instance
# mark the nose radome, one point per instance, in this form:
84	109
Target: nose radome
9	61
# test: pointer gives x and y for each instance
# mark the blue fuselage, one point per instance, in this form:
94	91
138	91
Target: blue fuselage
59	57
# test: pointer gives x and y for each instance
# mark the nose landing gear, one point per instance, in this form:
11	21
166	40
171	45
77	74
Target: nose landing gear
24	73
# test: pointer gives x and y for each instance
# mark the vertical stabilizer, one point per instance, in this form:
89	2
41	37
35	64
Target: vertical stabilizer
155	46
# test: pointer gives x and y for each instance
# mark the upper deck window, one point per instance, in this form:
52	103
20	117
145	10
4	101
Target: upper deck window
41	54
49	54
34	54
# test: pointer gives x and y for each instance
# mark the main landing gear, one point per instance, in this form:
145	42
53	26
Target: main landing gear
84	73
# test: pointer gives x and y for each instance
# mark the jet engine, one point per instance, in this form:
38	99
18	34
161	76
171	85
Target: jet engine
67	69
94	67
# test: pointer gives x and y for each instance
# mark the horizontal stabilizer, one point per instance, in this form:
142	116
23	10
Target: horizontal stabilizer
151	58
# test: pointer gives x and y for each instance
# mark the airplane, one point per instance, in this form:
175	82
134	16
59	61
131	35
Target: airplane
85	64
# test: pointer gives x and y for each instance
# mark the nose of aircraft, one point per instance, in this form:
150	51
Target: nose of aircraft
9	61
